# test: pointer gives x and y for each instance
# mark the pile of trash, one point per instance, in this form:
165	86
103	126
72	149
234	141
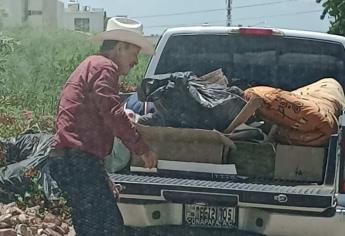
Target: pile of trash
23	157
307	116
183	100
22	160
16	222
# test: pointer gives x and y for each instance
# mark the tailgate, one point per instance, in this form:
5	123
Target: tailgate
314	198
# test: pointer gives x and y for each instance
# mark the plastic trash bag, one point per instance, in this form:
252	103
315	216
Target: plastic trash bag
24	153
184	100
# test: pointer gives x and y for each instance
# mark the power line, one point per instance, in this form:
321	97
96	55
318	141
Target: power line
279	15
213	10
264	4
179	13
243	19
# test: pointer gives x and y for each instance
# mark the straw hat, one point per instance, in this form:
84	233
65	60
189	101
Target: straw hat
126	30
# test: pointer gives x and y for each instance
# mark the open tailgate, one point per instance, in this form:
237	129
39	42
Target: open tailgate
178	190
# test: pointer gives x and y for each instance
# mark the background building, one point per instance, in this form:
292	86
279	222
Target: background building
53	14
83	18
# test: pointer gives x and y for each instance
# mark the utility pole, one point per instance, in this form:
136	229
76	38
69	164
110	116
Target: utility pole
228	13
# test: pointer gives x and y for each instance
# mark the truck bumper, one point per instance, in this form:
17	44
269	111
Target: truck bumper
255	220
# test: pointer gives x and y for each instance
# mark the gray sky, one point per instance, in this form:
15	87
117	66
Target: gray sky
154	14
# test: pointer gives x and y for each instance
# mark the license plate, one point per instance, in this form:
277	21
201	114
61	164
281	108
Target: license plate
208	216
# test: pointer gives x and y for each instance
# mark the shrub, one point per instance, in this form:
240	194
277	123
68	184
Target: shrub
34	65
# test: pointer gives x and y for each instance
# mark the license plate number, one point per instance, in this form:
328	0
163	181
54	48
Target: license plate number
208	216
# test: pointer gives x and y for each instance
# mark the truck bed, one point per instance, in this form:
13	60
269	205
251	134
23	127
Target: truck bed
230	190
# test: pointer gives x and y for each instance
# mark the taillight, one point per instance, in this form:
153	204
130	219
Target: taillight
257	31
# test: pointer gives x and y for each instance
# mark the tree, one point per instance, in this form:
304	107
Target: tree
336	9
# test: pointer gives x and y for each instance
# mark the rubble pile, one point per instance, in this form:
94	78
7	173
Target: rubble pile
17	222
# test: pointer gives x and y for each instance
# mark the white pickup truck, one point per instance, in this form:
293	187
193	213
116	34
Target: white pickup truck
287	59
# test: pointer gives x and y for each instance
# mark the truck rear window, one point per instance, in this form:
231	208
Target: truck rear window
283	62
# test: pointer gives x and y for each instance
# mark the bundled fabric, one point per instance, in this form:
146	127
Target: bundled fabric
137	106
307	116
184	100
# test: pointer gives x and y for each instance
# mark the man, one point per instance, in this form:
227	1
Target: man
90	115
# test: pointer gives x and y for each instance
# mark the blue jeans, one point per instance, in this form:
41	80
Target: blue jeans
84	182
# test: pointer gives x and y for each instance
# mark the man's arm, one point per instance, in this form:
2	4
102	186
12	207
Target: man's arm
106	98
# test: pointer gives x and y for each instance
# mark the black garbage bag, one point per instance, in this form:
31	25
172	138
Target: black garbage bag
23	153
183	100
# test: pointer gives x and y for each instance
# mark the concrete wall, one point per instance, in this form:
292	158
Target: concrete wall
50	13
36	4
35	13
43	13
12	12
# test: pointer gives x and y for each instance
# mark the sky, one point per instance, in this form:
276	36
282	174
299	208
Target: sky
157	15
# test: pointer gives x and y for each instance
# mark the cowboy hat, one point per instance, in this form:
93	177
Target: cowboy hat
126	30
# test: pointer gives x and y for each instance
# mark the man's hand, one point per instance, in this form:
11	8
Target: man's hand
150	159
113	188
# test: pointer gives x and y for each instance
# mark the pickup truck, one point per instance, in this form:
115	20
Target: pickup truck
287	59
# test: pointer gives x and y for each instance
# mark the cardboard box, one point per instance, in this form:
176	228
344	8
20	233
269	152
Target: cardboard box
299	163
253	159
184	144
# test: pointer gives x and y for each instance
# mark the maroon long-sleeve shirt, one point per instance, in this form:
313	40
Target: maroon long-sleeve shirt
90	112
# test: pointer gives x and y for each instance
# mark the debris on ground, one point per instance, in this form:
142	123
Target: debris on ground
30	222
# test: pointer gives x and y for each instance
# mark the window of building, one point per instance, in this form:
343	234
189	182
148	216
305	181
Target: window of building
82	24
34	12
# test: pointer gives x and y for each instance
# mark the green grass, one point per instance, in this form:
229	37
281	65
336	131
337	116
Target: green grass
34	65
